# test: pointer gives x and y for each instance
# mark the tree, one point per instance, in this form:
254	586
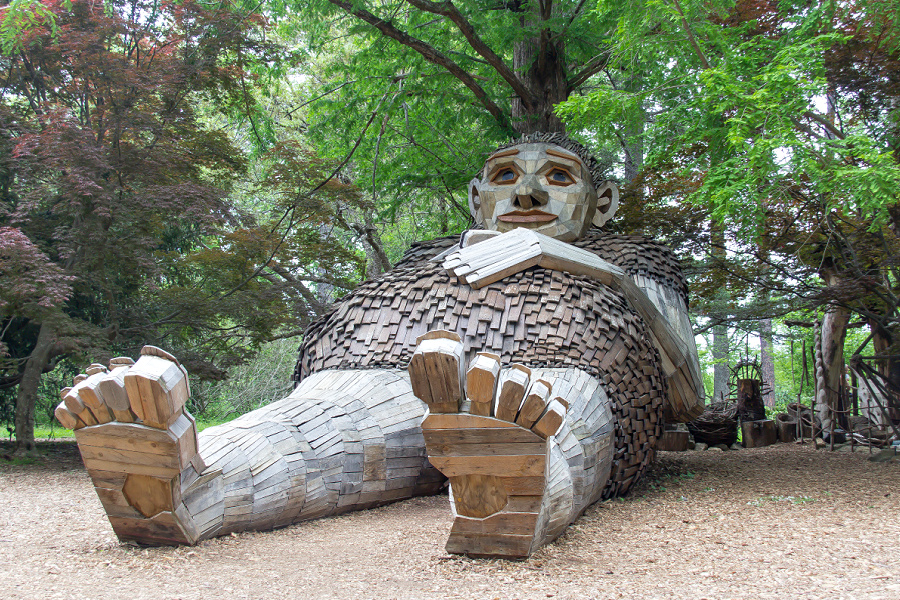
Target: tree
115	192
806	190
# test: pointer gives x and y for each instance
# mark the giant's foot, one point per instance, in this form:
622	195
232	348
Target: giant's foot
492	444
138	444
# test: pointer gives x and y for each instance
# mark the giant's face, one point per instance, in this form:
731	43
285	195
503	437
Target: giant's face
543	187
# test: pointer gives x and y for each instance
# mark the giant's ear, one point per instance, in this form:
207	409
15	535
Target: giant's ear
607	203
475	201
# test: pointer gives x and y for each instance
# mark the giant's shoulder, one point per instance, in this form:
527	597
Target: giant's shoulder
422	252
638	255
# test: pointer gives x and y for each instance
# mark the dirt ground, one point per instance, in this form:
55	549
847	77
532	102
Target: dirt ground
782	522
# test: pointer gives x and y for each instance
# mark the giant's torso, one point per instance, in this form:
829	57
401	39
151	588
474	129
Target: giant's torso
538	317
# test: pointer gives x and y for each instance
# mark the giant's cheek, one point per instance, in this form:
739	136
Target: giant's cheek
495	202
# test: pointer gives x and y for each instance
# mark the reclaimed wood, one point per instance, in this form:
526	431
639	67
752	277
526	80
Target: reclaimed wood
597	314
756	434
511	392
481	383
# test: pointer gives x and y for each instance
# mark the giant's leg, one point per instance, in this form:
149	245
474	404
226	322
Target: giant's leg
521	466
342	440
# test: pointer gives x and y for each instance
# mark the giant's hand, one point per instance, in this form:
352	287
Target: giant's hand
498	256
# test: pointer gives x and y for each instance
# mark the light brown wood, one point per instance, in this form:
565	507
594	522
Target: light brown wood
112	390
481	382
551	420
480	436
485	449
149	495
464	421
478	496
512	392
534	404
526	465
66	418
490	545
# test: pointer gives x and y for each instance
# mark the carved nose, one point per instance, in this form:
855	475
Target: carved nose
529	195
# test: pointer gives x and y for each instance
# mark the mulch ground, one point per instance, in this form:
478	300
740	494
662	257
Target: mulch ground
784	522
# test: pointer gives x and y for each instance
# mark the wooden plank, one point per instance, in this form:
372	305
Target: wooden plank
490	545
162	529
463	421
120	467
481	382
512	392
551	420
485	449
526	465
125	459
524	503
494	435
534	404
129	436
66	418
505	523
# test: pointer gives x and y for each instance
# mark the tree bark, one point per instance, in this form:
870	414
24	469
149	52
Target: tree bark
720	357
831	342
28	389
634	130
540	64
720	347
768	361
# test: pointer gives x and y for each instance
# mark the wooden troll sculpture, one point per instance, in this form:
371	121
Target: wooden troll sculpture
533	364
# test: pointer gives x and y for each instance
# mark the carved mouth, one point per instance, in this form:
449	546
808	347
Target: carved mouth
527	216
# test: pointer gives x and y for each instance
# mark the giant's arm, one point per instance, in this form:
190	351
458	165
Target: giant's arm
497	256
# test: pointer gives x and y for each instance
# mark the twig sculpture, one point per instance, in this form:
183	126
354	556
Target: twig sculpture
531	363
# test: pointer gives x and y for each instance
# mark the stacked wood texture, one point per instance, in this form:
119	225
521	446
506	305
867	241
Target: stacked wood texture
540	318
343	440
136	441
514	486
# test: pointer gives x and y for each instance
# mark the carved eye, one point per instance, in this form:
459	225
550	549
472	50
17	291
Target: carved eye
505	176
559	177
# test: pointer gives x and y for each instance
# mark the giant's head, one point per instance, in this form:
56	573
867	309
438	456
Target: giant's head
545	182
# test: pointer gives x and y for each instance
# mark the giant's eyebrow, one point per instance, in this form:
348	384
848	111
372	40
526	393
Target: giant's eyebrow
510	152
572	157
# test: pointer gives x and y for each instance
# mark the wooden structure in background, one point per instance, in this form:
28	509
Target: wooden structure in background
756	434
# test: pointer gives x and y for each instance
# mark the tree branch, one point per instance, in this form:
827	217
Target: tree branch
691	38
447	9
825	123
595	65
430	54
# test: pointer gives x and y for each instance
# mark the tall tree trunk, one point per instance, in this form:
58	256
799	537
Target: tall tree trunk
539	62
28	389
634	130
720	332
767	360
720	358
831	342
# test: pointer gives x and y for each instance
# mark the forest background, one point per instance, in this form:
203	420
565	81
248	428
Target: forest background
208	176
